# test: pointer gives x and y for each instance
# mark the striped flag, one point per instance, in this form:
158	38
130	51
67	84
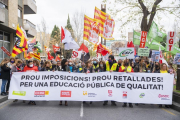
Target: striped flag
37	56
20	43
91	30
106	24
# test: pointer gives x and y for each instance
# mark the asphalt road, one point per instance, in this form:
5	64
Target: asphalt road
77	111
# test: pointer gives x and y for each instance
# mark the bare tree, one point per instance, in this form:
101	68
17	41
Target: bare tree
42	29
78	25
142	12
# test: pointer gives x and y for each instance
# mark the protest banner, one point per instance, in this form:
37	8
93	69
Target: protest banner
177	59
155	55
5	51
143	39
143	51
152	88
126	53
171	37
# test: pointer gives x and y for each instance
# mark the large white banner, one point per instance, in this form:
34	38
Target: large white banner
152	88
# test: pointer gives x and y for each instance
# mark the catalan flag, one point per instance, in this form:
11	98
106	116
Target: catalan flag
88	28
37	56
106	24
20	44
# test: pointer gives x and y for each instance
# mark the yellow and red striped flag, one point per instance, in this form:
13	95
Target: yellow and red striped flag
91	30
20	44
106	24
37	56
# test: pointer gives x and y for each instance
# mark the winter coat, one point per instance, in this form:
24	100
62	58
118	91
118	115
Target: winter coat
5	72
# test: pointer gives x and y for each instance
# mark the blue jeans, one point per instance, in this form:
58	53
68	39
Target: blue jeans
3	85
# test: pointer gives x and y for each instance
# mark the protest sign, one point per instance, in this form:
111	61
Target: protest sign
143	51
126	53
171	36
177	59
152	88
155	55
6	51
143	39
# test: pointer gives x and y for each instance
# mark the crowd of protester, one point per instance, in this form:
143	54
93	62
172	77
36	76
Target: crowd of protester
142	65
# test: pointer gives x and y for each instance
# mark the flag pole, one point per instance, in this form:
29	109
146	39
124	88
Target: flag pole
103	8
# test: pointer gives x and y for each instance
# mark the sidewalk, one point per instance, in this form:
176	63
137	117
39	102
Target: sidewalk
2	98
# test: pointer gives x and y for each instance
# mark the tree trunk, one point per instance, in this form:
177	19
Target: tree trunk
144	25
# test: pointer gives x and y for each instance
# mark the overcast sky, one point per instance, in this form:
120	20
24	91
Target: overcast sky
55	12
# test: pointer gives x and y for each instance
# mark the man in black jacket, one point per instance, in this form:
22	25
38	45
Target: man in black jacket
5	75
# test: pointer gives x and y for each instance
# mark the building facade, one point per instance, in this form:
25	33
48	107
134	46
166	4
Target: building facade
11	14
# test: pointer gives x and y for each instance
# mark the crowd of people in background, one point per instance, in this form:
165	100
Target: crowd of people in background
139	64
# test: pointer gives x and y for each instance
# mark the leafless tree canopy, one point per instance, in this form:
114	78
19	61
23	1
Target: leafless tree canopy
78	25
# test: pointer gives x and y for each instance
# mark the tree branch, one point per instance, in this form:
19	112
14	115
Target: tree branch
142	5
153	12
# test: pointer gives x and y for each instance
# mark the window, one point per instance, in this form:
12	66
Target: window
1	35
19	12
6	37
7	46
5	42
1	52
4	4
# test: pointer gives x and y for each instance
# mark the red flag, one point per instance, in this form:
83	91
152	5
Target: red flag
83	48
50	57
101	50
55	48
85	56
62	34
57	58
130	44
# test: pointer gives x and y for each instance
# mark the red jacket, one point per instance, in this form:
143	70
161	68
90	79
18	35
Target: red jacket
29	69
122	70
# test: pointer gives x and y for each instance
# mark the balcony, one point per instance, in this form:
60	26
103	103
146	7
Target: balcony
30	28
2	15
30	7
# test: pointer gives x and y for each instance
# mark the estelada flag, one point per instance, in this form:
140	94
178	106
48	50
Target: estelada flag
106	24
91	30
102	50
20	44
56	48
85	55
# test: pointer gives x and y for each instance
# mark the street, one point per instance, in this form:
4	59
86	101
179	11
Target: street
51	110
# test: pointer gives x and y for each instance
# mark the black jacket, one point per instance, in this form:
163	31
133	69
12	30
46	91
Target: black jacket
5	72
